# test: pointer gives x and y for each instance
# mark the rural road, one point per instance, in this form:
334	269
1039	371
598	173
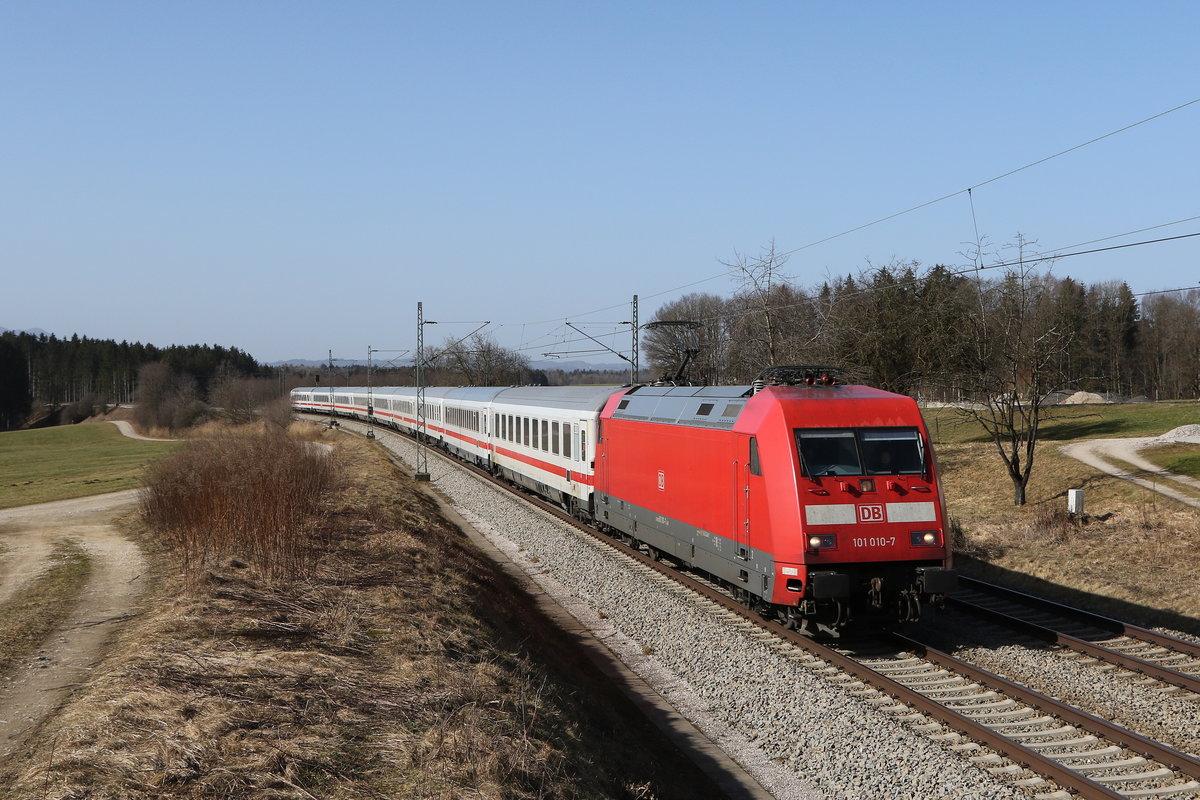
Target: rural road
1104	455
33	688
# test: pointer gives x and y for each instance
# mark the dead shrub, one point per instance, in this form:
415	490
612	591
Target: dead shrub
1055	524
278	412
256	497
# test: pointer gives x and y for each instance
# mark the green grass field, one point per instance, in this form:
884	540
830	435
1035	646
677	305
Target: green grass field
71	461
1183	459
1064	423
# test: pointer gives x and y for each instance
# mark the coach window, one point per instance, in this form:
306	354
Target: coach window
534	425
755	465
582	443
554	438
566	439
525	424
545	435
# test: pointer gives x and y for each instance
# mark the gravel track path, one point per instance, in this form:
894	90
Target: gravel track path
1100	454
35	688
758	699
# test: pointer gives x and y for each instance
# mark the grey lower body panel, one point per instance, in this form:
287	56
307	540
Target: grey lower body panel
739	565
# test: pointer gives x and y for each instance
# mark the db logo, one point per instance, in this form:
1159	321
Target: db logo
872	513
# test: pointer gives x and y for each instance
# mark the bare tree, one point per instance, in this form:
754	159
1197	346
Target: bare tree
480	361
1017	359
239	399
166	399
758	325
1170	345
700	337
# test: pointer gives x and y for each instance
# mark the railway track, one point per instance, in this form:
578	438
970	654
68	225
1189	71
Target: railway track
1044	745
1155	655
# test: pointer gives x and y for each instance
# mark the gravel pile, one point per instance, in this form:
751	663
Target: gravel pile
791	725
1184	433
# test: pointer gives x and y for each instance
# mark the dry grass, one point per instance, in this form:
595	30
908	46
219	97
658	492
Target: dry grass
1129	559
401	665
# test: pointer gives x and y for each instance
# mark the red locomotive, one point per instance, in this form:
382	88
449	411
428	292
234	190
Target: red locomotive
814	501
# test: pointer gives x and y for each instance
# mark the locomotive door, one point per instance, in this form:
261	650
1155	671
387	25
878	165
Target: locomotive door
741	505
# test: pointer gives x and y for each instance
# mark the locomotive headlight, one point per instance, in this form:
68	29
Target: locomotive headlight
925	538
822	541
814	542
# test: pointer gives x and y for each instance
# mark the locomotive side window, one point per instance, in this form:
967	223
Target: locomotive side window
755	464
828	452
892	452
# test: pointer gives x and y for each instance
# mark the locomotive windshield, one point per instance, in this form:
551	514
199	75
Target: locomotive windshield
866	451
891	452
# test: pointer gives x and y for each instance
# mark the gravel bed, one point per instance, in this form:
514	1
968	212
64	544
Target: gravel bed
1187	637
796	730
1097	688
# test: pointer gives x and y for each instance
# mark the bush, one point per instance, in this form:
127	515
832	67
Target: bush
255	497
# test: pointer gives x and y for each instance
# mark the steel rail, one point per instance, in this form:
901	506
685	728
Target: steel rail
1132	663
1175	759
1115	626
1013	750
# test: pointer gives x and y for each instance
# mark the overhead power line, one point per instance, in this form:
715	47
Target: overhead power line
1049	256
909	210
1166	291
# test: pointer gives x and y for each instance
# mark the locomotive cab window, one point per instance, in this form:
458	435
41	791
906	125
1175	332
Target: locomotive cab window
828	452
866	451
892	452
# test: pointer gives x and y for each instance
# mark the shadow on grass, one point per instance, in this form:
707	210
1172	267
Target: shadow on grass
1134	613
1085	428
1092	426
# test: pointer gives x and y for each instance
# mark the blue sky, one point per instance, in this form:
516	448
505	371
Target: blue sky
293	177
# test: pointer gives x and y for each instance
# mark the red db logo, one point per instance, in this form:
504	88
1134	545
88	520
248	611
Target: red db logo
873	513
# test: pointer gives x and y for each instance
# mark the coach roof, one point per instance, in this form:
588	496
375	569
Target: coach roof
573	398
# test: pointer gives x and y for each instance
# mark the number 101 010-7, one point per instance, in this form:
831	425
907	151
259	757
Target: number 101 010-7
877	541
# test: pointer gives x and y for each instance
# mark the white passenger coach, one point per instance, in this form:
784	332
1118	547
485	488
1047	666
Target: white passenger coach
540	437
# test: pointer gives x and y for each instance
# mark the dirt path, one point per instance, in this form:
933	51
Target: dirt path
35	688
127	429
1102	453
